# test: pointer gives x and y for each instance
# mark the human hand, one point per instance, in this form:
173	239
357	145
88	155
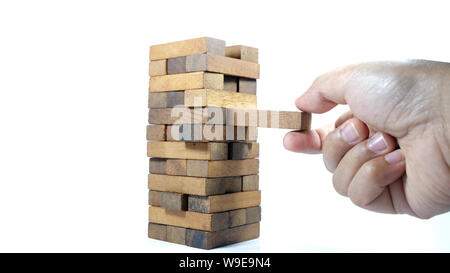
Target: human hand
391	153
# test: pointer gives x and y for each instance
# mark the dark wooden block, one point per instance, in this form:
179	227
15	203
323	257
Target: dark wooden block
156	231
176	65
250	182
170	99
154	198
230	83
224	202
242	150
247	86
176	235
253	215
208	240
156	132
157	165
238	217
174	201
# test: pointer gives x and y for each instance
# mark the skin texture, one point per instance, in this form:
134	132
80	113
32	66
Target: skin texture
402	107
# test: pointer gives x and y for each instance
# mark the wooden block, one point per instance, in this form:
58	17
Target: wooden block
187	47
188	150
223	65
194	185
252	215
242	233
222	168
176	235
230	83
181	115
245	216
156	231
154	198
157	165
241	117
246	53
224	202
247	86
219	98
206	133
269	119
208	240
189	219
284	120
196	80
250	182
165	99
156	132
157	100
158	68
176	167
238	217
173	201
176	65
240	150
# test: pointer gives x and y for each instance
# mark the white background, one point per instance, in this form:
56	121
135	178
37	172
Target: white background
73	111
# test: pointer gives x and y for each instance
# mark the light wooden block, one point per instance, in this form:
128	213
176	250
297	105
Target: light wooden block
224	202
156	132
165	99
184	81
189	219
219	98
176	167
187	47
269	119
188	150
173	201
222	168
284	120
194	185
247	86
223	65
158	68
246	53
209	240
250	182
206	132
240	150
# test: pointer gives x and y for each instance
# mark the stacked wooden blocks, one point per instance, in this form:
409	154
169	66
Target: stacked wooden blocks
203	181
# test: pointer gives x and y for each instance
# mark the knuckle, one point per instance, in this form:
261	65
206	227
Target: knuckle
370	170
330	151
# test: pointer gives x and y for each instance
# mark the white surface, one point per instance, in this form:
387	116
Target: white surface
73	110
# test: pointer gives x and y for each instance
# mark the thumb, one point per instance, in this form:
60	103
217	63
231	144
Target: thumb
326	91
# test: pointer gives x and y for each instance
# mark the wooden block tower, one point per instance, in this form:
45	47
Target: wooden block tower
203	182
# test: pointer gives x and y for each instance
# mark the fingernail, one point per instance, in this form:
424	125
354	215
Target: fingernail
349	133
394	157
377	143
